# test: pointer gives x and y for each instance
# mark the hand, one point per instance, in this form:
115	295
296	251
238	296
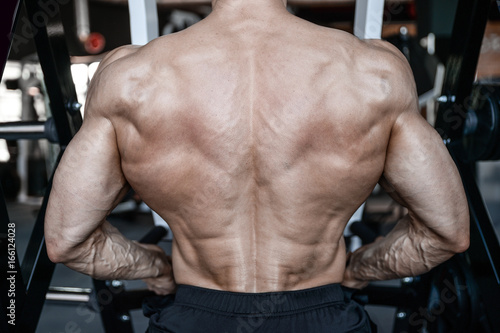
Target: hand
349	280
163	284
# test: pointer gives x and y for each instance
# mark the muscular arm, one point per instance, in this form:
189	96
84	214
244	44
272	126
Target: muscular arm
419	174
87	185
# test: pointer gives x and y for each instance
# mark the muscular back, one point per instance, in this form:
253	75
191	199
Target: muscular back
255	137
256	145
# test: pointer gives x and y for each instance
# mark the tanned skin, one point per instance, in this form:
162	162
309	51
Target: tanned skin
255	135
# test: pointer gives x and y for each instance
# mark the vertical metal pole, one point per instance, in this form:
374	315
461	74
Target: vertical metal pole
143	21
82	19
466	40
368	19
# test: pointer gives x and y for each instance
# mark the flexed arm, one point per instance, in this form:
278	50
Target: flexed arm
87	185
420	174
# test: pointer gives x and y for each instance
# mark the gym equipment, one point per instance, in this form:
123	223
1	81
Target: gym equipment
453	298
481	133
32	278
31	130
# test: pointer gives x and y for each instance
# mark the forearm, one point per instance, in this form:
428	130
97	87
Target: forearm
107	255
406	251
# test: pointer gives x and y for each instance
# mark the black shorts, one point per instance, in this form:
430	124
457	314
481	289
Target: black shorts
316	310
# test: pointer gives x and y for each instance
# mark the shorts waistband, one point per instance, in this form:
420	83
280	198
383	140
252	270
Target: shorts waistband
253	303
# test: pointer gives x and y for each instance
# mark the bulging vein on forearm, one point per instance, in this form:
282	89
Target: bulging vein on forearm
107	254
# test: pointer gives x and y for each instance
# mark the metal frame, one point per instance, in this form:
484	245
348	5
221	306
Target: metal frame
484	251
37	269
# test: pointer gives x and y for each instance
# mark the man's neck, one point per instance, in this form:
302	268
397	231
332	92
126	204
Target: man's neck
240	5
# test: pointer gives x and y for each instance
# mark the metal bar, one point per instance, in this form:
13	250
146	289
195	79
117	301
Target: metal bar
12	297
70	297
68	294
143	21
32	130
22	127
467	36
18	130
70	290
368	19
65	297
82	19
8	18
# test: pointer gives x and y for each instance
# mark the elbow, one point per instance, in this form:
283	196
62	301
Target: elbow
460	240
58	252
462	236
54	252
461	243
454	241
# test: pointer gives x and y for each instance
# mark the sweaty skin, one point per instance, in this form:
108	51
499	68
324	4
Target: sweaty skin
255	135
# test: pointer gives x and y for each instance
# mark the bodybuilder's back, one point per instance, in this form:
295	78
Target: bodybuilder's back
256	142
